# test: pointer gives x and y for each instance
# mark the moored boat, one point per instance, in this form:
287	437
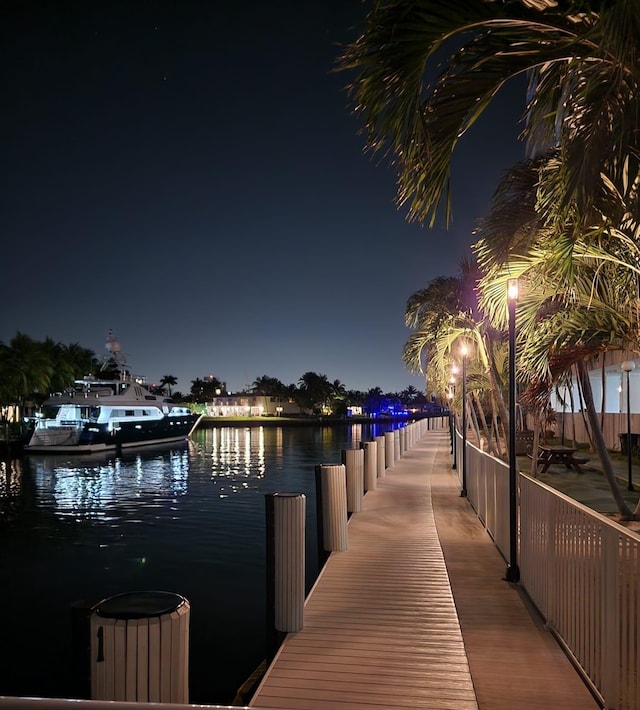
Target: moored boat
101	414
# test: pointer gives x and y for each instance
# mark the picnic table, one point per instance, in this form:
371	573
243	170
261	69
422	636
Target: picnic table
549	455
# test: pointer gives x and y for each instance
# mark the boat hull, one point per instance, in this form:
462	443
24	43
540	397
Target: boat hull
91	437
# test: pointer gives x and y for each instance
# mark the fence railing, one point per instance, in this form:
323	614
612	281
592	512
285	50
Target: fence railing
580	569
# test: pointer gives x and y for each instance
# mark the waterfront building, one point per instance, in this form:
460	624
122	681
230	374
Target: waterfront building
245	404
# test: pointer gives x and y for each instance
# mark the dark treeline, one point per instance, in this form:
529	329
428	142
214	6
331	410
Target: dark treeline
31	370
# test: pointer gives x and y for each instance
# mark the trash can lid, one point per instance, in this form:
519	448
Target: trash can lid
139	605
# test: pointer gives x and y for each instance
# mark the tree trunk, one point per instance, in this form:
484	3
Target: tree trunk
583	408
534	447
603	374
474	419
601	448
490	446
497	390
496	431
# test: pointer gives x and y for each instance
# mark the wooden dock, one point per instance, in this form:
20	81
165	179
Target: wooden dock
381	628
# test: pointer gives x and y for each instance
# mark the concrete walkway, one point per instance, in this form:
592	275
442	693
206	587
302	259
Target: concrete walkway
514	662
414	520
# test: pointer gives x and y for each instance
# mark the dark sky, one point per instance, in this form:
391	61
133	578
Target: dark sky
190	175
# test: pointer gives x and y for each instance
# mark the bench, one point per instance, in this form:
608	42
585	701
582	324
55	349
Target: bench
577	461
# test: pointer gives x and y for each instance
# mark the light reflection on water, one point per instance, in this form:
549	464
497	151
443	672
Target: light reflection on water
185	518
92	487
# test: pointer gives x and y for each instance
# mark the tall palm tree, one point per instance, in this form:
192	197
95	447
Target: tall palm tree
575	245
315	390
580	295
424	71
83	360
62	367
409	395
168	381
25	369
268	386
443	315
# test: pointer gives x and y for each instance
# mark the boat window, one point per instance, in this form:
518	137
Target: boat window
129	413
50	412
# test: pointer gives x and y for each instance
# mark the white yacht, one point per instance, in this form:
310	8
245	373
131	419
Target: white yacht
100	414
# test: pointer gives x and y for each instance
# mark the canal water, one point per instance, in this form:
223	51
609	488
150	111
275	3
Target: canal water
187	518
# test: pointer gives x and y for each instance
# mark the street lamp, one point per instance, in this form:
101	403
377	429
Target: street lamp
513	571
628	366
463	352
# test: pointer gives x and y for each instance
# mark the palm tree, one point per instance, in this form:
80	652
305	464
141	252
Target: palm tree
62	367
444	315
205	390
580	295
83	361
424	71
168	381
315	391
338	398
409	395
25	369
581	124
268	386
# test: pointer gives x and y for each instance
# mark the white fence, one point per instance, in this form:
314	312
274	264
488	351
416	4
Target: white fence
580	569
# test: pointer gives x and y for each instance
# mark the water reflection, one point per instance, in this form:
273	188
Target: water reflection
237	452
97	486
10	478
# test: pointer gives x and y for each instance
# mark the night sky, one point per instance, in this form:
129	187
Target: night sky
190	175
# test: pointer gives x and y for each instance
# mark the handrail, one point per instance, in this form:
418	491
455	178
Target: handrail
580	569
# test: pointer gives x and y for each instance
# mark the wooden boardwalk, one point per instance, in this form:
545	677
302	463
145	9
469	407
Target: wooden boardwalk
381	629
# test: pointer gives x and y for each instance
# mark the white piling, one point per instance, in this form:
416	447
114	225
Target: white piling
331	491
389	448
380	440
353	460
370	465
289	559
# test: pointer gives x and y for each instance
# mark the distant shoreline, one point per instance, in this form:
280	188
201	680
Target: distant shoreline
208	422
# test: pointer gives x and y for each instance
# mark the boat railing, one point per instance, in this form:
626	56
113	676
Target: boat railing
59	424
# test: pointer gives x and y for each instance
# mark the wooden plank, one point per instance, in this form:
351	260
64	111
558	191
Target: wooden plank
380	625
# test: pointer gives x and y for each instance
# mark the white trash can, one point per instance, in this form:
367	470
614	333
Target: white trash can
140	648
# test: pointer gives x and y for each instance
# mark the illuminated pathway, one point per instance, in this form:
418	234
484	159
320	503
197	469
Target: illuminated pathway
381	629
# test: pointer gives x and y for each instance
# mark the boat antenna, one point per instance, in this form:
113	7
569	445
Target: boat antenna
116	356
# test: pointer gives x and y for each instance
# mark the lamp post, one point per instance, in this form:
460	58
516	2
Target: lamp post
463	352
628	366
513	571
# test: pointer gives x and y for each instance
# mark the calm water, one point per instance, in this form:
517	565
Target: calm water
185	518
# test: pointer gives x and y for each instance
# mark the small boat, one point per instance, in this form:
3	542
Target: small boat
102	414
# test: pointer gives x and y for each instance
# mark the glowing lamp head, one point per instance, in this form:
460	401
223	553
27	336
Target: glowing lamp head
512	289
628	365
